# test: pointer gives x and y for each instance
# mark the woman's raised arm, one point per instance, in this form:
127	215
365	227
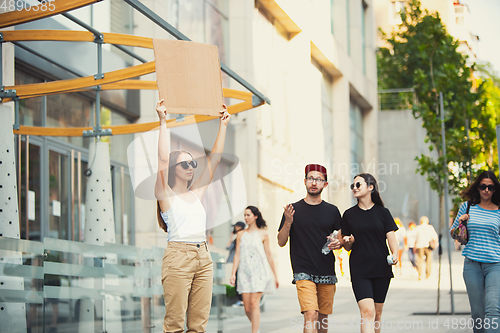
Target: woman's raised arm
201	184
162	190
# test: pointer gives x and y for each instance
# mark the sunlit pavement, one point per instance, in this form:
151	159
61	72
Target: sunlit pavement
407	296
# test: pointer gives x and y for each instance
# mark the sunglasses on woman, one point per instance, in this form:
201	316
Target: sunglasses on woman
357	185
185	164
490	188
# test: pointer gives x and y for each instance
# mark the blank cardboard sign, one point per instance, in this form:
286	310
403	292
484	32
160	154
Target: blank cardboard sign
188	77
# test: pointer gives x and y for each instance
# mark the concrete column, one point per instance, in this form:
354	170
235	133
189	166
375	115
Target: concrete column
12	315
100	229
99	216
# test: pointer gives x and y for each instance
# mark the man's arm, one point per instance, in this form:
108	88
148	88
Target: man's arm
284	233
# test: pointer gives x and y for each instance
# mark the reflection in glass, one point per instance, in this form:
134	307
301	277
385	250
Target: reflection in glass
69	110
58	195
31	215
30	109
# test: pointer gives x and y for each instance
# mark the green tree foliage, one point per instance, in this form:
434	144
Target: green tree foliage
422	55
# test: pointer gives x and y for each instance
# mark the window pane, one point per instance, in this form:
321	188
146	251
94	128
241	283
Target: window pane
58	195
69	110
30	109
31	215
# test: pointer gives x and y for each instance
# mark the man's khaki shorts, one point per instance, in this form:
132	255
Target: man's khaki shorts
315	296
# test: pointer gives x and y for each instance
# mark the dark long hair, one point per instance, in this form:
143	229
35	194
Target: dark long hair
472	192
256	212
172	161
375	194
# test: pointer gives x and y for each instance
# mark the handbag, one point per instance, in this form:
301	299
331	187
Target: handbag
460	233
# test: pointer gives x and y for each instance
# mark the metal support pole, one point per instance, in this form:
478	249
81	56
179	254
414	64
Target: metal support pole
1	62
97	126
98	76
446	208
16	113
130	53
81	23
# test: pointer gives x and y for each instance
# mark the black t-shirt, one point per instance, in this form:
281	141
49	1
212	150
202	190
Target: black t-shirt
369	253
311	225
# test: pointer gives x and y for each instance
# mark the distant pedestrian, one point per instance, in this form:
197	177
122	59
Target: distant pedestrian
367	227
402	240
255	266
426	234
482	252
411	237
307	223
231	246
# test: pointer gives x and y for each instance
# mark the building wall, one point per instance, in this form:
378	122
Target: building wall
406	193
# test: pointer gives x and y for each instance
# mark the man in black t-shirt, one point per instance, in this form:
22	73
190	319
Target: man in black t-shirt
308	223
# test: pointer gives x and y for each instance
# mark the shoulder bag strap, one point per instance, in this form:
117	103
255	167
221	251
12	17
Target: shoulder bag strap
467	212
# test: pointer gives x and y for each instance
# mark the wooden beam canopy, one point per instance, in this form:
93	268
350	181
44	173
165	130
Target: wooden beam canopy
45	88
53	7
114	80
127	129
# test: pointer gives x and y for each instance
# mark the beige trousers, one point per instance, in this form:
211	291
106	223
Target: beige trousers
421	252
187	277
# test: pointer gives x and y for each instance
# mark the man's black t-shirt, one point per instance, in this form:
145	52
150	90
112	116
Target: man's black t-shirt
369	253
311	225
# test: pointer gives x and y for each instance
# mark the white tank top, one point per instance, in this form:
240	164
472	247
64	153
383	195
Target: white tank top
186	221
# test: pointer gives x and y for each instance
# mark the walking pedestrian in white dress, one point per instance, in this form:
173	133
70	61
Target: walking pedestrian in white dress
255	265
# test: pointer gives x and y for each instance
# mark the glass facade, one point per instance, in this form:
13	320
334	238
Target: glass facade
66	286
51	170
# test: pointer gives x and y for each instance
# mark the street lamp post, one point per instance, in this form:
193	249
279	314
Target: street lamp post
446	208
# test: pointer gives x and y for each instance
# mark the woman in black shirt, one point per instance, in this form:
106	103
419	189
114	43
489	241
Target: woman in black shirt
365	229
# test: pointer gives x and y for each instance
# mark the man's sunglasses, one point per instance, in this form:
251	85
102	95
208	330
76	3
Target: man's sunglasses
490	188
185	164
358	185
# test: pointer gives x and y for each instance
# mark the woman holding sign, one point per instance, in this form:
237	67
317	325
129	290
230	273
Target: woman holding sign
187	273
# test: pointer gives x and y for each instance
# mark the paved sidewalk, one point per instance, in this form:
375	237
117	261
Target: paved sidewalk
406	296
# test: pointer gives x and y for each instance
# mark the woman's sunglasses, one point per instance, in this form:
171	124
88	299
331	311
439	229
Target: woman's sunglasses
490	188
185	164
358	185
